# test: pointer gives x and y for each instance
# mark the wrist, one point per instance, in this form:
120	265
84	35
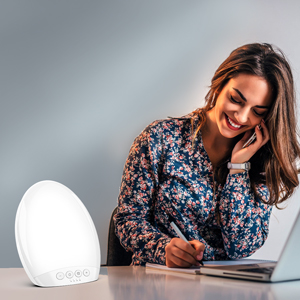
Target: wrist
236	171
238	167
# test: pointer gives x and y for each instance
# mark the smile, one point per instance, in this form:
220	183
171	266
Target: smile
232	123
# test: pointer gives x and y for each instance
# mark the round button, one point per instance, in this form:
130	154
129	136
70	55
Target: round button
69	274
78	273
60	275
86	272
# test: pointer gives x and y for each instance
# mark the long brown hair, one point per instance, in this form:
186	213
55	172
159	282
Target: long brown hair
275	163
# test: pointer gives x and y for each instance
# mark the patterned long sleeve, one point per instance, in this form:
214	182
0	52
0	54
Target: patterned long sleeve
140	181
168	176
244	219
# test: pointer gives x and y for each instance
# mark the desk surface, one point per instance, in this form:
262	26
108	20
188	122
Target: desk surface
137	283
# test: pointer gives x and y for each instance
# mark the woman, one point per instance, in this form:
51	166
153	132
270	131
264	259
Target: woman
197	171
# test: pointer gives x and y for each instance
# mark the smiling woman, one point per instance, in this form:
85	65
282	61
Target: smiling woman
197	172
241	105
258	82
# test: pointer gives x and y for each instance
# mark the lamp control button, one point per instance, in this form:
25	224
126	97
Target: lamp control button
69	274
78	273
60	275
86	272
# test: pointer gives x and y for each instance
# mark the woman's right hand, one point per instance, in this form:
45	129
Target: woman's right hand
182	254
240	154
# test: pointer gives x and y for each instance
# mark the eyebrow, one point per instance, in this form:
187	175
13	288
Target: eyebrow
243	97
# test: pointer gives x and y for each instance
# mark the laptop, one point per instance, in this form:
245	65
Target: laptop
286	268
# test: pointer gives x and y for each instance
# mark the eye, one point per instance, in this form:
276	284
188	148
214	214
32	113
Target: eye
258	114
234	101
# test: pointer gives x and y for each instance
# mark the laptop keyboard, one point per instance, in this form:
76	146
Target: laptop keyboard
268	270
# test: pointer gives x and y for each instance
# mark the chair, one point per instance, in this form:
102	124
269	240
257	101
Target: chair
116	254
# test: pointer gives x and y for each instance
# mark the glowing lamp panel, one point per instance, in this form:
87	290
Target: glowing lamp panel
56	237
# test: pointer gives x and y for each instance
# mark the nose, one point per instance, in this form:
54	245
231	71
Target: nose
242	115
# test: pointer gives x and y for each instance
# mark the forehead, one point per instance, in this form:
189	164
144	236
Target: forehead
255	89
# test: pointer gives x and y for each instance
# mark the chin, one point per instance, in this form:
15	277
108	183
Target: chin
229	134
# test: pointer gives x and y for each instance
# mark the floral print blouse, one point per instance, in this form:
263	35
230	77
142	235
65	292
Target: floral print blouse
168	178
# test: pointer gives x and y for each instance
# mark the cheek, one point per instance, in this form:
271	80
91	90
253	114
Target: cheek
221	105
230	106
225	108
255	120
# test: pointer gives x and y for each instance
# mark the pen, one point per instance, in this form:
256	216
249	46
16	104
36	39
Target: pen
179	233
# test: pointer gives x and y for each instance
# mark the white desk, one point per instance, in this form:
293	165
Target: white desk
139	283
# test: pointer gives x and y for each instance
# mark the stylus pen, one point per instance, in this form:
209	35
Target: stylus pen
173	225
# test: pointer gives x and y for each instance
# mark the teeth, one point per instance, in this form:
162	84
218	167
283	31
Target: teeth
233	124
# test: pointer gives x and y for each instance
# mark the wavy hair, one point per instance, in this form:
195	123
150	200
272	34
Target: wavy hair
274	164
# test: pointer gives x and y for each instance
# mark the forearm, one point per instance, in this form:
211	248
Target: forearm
138	235
244	219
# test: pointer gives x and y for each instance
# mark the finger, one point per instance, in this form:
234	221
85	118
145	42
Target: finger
257	143
188	250
243	140
177	258
184	257
198	246
176	262
199	249
246	136
179	253
186	247
259	135
262	135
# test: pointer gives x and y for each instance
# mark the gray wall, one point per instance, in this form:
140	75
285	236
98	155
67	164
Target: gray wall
80	79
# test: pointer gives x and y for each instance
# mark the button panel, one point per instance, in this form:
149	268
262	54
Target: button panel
73	276
68	276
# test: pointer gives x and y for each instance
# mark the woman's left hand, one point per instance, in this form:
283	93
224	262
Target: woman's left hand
240	154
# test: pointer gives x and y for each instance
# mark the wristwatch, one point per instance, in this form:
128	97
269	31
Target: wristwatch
244	166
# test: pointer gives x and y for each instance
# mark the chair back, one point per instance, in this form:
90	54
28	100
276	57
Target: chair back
116	254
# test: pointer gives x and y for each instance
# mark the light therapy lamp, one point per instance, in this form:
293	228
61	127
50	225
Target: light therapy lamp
56	238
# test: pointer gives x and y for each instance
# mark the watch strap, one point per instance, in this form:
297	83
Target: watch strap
244	166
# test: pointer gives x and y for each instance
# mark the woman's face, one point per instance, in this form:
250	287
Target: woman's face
242	104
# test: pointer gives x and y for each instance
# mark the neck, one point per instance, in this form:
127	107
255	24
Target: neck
216	145
211	134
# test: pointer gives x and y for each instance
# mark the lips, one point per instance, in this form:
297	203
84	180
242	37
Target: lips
231	124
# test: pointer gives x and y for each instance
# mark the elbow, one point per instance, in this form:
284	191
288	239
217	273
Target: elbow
242	248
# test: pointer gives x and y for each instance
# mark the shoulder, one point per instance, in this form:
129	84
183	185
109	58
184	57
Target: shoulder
168	133
170	125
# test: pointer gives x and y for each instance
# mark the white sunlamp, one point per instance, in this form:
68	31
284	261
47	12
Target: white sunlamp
56	238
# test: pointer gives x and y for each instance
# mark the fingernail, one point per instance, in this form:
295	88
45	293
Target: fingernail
200	256
263	120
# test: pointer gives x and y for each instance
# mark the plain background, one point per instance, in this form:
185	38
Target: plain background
81	79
